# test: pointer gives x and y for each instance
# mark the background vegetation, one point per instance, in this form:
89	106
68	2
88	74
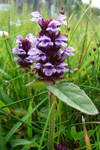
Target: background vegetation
17	129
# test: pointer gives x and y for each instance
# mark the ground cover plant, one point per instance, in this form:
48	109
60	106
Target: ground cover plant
26	121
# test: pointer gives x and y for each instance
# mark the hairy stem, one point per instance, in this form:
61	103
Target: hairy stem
51	122
29	107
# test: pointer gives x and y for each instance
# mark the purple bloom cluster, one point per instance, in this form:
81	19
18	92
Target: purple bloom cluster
22	50
50	57
45	50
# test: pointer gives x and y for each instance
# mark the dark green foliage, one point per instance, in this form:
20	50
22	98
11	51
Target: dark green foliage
15	120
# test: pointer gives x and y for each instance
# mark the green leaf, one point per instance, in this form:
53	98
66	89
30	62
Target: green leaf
17	125
2	105
43	112
20	111
76	135
17	142
26	148
91	133
73	96
37	85
5	97
5	74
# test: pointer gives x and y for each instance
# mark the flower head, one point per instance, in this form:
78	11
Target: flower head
24	46
50	57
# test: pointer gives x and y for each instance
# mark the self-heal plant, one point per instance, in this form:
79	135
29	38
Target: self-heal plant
51	67
48	58
51	58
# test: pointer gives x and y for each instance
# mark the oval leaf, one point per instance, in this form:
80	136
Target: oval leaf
18	142
73	96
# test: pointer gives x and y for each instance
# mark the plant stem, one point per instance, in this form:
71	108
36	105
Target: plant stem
29	107
87	141
51	122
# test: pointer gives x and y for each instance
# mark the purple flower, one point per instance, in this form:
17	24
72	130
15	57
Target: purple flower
61	20
54	26
61	41
22	50
48	69
44	43
62	68
69	49
47	52
36	16
24	63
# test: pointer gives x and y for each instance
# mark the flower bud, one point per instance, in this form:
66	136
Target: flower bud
92	62
94	49
90	54
98	44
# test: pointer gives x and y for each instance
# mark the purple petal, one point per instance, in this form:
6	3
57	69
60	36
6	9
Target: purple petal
66	69
31	38
62	64
54	26
59	70
38	65
71	54
57	43
67	53
70	49
48	72
33	51
63	22
42	44
14	50
63	44
54	23
36	58
34	20
53	29
50	43
19	38
48	64
44	69
60	51
36	14
21	52
62	38
40	21
44	38
63	57
61	19
43	58
53	70
29	59
16	59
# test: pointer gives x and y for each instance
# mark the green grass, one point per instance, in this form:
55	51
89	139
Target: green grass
14	124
